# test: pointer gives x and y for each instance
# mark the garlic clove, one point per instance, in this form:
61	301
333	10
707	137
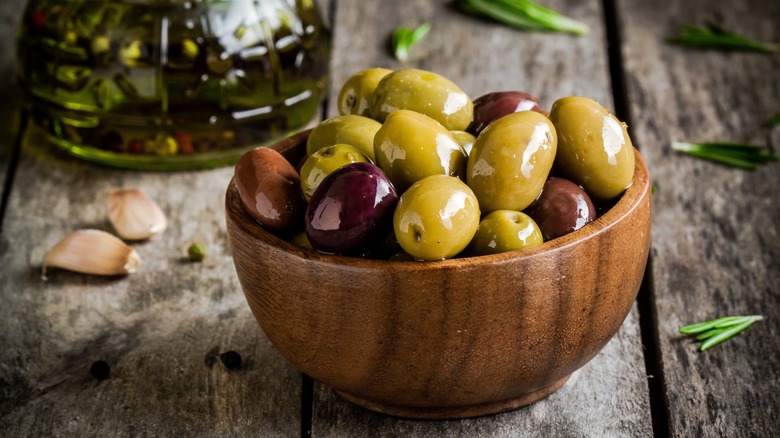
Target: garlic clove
134	215
92	252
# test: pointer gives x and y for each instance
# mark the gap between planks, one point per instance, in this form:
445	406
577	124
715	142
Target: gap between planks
648	316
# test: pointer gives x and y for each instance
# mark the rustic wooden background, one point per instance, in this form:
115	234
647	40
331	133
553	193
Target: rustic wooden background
715	250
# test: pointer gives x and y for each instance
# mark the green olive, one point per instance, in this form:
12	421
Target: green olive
424	92
301	240
510	161
357	131
594	149
410	146
357	93
465	139
436	218
323	162
505	230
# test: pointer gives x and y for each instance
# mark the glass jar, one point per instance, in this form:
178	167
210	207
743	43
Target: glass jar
171	84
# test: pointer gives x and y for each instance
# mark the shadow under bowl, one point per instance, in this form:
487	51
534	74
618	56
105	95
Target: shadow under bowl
446	339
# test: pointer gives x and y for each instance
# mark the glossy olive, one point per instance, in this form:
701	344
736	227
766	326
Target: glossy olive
511	160
505	230
436	218
493	106
357	93
351	210
410	146
465	139
594	149
323	162
357	131
562	207
301	240
270	189
425	92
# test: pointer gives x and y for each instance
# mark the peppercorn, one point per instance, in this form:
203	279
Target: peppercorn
231	360
100	370
196	252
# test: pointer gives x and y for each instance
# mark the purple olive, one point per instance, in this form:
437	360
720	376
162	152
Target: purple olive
495	105
561	208
351	210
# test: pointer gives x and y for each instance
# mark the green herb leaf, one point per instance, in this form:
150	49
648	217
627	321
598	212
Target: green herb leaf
715	36
745	156
772	121
524	15
707	325
404	38
719	330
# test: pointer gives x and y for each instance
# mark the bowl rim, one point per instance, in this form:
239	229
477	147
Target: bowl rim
629	201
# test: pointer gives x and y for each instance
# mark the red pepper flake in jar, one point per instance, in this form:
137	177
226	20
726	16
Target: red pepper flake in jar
135	147
185	142
38	18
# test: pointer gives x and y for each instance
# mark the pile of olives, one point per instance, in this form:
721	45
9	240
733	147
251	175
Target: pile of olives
413	169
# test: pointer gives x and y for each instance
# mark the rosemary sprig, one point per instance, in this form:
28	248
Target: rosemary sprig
715	36
745	156
718	330
772	121
524	15
404	38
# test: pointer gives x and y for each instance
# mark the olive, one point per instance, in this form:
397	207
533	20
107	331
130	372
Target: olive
436	218
301	240
425	92
269	188
511	160
493	106
465	139
357	93
505	230
562	207
357	131
351	210
323	162
410	146
594	148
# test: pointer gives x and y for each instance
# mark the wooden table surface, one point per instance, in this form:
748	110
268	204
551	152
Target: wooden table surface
715	249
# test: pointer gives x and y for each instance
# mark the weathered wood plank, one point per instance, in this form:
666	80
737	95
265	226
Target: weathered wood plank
159	329
715	233
608	397
9	93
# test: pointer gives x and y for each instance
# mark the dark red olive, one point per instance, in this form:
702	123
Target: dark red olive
561	208
495	105
270	189
351	210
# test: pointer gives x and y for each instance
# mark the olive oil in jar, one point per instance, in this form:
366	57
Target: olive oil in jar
171	84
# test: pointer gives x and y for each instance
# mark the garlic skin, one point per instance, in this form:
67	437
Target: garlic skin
134	215
92	252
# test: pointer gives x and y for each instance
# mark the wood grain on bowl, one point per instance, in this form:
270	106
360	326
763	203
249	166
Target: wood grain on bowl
452	338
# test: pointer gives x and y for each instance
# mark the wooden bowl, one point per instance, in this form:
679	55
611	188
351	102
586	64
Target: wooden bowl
445	339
